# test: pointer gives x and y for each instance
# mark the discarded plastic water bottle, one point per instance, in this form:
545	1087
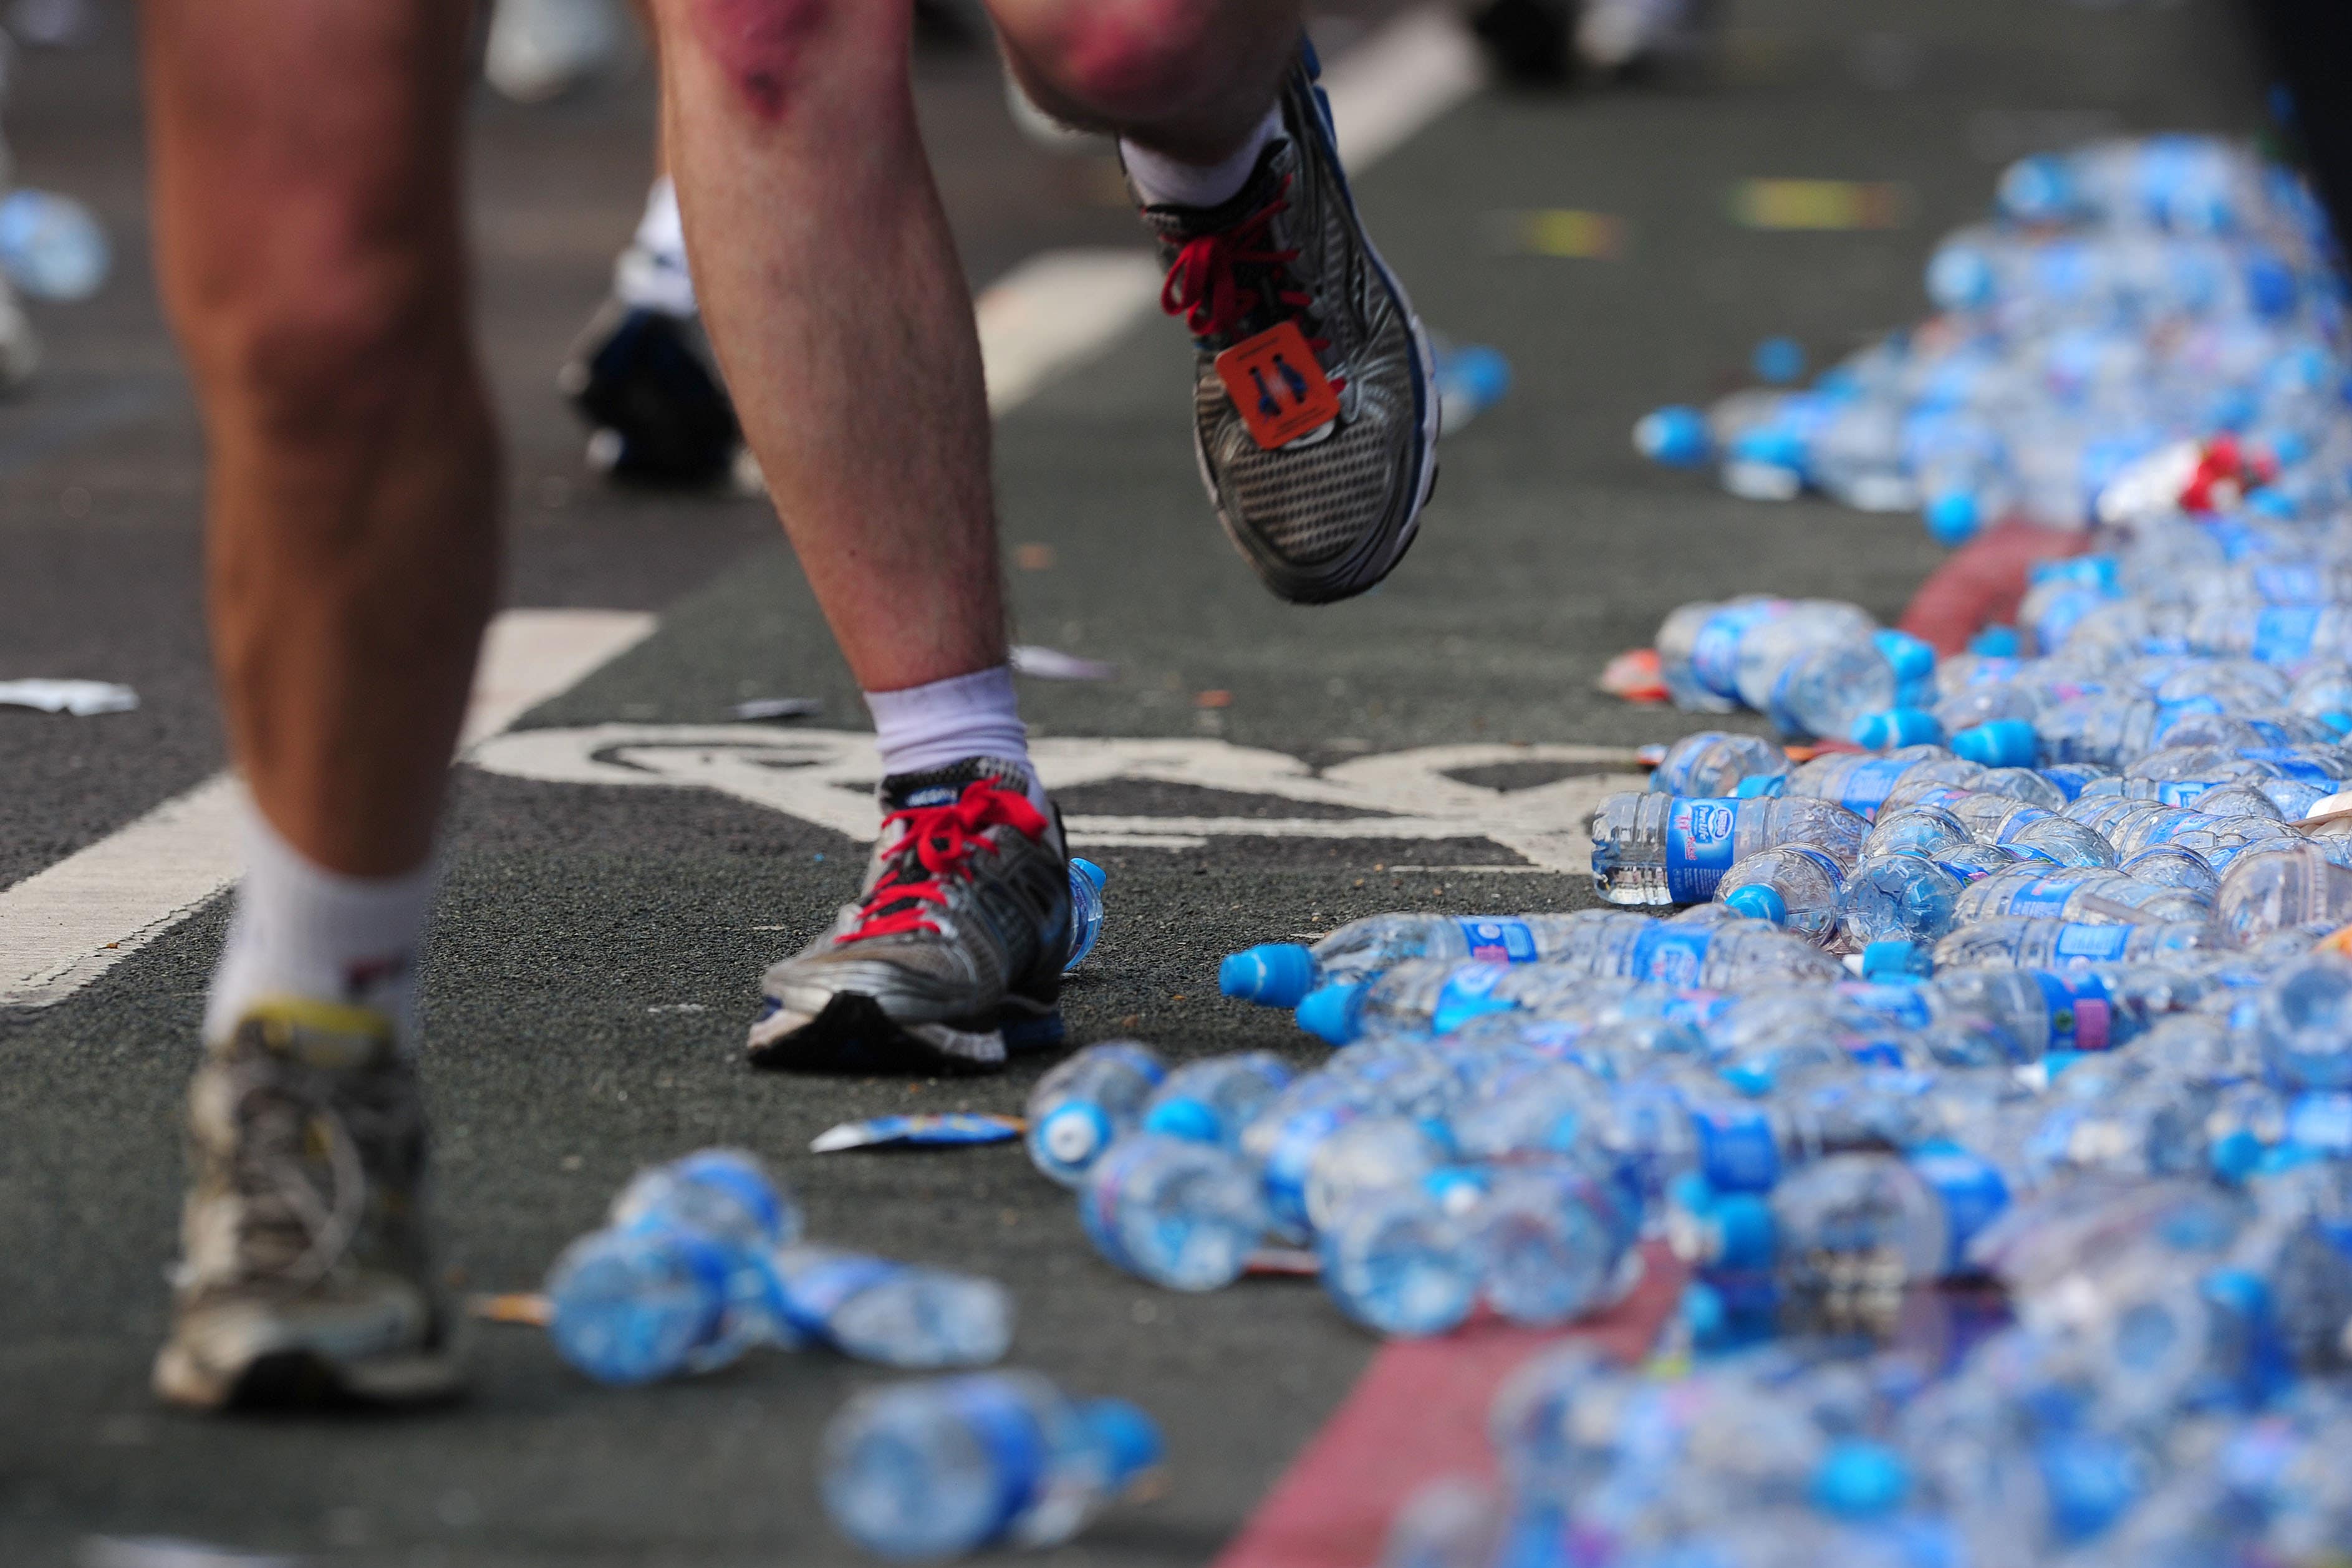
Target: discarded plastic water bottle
2275	889
1676	437
1714	763
1211	1101
1556	1243
1865	784
1698	650
726	1196
1086	1103
948	1465
1086	909
2304	1023
631	1306
1801	890
897	1315
1922	831
1281	974
2013	942
1898	897
51	248
1660	849
1397	1259
1178	1212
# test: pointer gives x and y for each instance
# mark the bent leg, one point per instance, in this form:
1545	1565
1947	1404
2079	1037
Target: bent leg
310	242
839	310
1188	79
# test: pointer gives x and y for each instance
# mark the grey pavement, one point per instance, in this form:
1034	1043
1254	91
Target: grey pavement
598	948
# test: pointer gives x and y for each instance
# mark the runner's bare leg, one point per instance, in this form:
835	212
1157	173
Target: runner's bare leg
310	242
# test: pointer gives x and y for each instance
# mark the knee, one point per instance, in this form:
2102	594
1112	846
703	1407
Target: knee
774	54
1133	61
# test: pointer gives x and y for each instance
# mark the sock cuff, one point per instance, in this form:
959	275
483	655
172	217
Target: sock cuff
273	863
942	723
1163	182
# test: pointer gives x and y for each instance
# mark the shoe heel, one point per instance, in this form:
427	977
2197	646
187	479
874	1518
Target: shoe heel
1031	1032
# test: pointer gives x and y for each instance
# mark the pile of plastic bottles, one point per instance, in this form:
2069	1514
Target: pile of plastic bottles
2127	296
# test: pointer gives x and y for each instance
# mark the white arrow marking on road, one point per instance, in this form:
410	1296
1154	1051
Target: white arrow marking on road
826	778
64	926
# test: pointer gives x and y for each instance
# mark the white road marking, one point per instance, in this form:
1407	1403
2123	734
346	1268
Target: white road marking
64	926
826	778
1062	308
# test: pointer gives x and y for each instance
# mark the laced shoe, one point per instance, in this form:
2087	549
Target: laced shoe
306	1277
647	384
951	957
1314	414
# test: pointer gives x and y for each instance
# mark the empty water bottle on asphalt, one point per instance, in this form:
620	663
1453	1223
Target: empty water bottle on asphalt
630	1306
1714	763
1210	1102
1181	1213
898	1314
1799	889
1086	909
948	1465
1661	849
1281	974
1086	1103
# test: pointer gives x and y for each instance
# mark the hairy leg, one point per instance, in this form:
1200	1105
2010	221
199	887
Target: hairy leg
839	313
1189	79
311	246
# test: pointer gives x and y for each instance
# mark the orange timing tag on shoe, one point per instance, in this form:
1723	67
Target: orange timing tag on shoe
1280	390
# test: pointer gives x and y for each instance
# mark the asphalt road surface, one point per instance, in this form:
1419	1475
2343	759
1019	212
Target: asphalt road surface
598	948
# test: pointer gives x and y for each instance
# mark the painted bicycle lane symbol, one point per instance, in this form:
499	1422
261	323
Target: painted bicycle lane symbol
826	778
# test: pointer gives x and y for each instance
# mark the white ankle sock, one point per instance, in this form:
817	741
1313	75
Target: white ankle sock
652	273
301	930
936	725
1163	182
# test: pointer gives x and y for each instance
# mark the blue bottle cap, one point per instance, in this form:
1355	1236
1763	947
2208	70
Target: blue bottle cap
2003	743
1704	1314
1860	1479
1483	374
1893	958
1912	659
1758	785
1329	1012
1087	869
1074	1133
1130	1440
1895	727
1676	436
1183	1117
1757	902
1272	973
1745	1238
1995	642
1777	361
1953	518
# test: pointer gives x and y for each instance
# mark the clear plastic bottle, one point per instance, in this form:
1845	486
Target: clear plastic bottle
1086	1103
2013	942
727	1195
1714	763
1210	1102
1898	897
1180	1213
1863	784
1698	650
1281	974
636	1306
2304	1023
1798	889
1661	849
892	1314
948	1465
2037	892
1555	1241
1398	1260
1922	831
1086	909
2274	889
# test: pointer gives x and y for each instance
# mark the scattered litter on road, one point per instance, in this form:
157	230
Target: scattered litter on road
159	1551
941	1130
1567	234
1053	664
1633	675
770	708
80	698
522	1309
1819	204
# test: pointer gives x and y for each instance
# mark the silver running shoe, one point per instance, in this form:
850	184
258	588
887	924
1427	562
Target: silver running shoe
1314	412
951	957
306	1277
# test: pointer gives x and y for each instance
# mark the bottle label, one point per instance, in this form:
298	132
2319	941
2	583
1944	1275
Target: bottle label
1965	873
1499	941
2093	943
1715	651
2284	635
1287	1162
1468	992
2292	764
2290	583
1700	837
2185	791
1016	1446
808	1297
1866	787
1699	1010
2081	1016
1973	1193
2043	898
2321	1120
1670	955
1906	1006
1737	1151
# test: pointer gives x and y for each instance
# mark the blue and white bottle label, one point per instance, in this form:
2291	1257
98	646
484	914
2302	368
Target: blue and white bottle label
810	1296
1737	1151
1018	1452
2043	898
1866	787
1701	835
2284	635
1715	651
2092	944
1670	953
1499	941
1468	992
2082	1017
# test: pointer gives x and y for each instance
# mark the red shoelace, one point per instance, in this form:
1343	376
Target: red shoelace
940	839
1204	286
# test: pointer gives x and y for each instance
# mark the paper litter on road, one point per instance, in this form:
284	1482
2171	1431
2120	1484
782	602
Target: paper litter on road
159	1552
778	708
80	698
522	1309
1053	664
940	1130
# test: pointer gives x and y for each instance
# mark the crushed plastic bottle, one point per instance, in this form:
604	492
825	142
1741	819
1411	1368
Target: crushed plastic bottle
1087	1104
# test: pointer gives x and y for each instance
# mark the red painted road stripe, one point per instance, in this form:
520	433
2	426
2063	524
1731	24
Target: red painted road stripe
1418	1413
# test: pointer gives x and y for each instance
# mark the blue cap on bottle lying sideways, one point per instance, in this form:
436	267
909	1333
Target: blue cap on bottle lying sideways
1757	902
1329	1012
1129	1438
1183	1117
1087	869
1272	973
1896	726
2003	743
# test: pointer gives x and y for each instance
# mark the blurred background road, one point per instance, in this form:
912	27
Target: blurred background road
600	944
